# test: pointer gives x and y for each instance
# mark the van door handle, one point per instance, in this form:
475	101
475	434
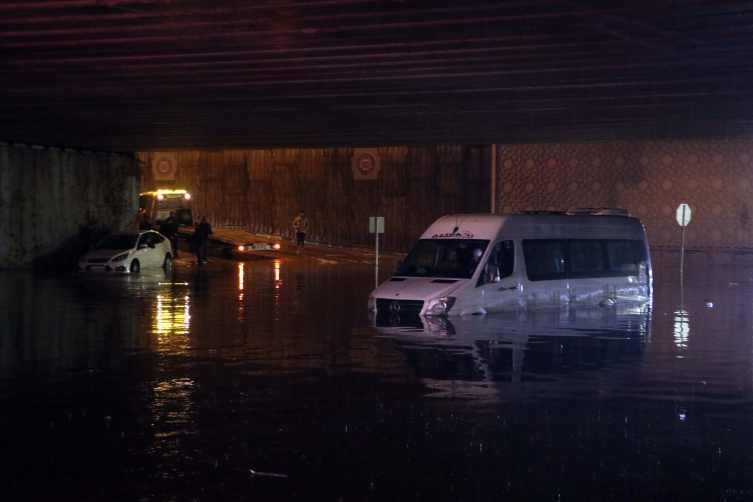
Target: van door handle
511	287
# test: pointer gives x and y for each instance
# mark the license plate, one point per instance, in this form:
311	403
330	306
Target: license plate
96	268
261	245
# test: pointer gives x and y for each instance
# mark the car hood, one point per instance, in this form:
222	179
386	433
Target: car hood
417	288
104	253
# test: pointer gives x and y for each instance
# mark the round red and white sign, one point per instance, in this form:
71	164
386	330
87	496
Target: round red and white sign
164	166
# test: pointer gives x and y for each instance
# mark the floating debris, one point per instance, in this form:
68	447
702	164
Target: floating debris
267	474
607	302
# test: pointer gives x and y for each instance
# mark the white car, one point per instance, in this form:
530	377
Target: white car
128	252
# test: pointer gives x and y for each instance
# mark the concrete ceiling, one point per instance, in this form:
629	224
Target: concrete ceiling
128	75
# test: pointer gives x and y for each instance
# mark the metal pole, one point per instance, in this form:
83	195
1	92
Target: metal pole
682	249
376	268
494	178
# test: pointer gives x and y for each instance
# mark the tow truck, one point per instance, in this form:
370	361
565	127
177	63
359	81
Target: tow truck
158	204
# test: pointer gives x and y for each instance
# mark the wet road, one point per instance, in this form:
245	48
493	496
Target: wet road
177	388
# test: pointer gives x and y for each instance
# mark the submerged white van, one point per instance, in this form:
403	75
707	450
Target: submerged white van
469	264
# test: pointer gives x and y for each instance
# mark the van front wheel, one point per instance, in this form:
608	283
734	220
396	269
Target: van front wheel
167	266
135	267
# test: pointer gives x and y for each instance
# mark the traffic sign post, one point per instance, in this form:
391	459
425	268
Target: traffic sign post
683	218
376	226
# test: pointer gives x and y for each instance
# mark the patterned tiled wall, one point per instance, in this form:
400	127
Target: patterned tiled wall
648	178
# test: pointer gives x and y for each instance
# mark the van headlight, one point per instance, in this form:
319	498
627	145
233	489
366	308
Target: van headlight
371	305
120	257
440	306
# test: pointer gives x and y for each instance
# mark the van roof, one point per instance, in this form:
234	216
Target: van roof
540	225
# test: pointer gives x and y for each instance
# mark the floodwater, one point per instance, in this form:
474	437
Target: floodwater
267	380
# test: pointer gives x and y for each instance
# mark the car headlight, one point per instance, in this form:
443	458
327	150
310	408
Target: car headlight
120	257
371	305
440	306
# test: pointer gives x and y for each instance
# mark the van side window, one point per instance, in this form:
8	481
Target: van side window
621	256
544	259
552	259
585	256
500	264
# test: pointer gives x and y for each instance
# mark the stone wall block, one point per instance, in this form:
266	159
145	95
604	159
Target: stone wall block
53	202
648	178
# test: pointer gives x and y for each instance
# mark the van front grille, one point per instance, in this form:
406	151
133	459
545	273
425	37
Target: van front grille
399	307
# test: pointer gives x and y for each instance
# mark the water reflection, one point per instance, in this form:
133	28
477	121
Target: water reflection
172	320
526	354
681	329
147	388
171	403
241	305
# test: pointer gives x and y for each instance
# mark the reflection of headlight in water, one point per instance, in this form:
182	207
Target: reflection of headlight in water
438	324
440	306
172	317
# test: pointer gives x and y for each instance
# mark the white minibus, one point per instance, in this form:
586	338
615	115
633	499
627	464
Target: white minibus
470	264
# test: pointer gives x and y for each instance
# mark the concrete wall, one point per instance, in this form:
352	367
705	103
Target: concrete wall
650	179
262	190
54	202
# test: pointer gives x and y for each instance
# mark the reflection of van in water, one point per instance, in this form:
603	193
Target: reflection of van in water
159	203
525	353
477	263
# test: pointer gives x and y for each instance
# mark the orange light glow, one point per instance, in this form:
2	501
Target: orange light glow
240	277
241	248
276	246
277	274
187	196
160	196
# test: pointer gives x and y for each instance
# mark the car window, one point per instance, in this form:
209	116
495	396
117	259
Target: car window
146	239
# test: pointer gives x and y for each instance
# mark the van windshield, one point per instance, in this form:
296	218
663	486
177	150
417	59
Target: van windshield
117	241
452	258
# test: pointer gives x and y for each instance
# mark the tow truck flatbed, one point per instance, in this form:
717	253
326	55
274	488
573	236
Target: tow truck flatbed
232	239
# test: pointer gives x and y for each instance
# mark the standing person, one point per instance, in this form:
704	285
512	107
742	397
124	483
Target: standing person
201	236
169	229
301	225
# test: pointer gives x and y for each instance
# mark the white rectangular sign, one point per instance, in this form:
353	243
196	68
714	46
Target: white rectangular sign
376	224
